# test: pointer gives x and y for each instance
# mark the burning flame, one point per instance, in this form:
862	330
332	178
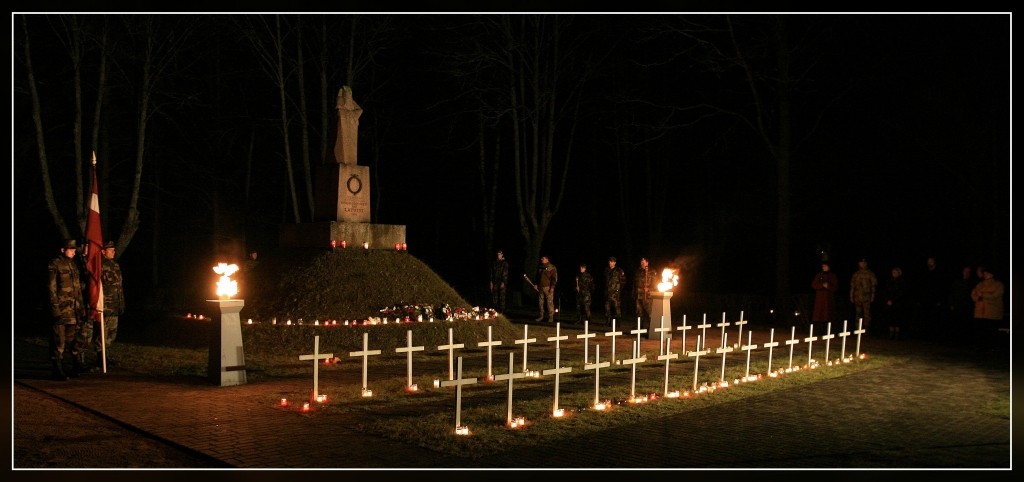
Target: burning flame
226	288
669	278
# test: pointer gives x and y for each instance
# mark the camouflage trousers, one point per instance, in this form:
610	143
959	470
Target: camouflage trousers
61	337
863	311
83	338
583	300
613	306
498	299
109	332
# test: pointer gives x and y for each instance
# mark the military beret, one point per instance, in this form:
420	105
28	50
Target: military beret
70	244
612	259
109	244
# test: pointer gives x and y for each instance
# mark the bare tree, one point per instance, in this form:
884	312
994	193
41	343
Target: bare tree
526	74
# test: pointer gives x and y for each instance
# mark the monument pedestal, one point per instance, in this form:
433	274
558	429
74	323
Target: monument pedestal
227	358
661	313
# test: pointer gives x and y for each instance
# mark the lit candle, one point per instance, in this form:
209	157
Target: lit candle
250	321
284	402
405	247
305	406
344	244
366	245
334	244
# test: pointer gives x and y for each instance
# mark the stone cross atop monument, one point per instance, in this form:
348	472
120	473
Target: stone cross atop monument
348	127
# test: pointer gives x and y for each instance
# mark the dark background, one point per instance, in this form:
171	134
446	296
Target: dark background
901	151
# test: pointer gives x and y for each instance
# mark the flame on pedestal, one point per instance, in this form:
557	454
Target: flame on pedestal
226	288
669	279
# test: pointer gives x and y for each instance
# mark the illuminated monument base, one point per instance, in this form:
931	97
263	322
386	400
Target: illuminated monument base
227	358
320	235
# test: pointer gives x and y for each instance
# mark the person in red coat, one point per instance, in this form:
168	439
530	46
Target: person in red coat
825	284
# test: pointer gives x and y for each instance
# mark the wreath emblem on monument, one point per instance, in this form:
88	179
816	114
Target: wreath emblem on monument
354	180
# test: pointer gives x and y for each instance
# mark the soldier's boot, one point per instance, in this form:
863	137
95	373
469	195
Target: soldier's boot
77	365
58	371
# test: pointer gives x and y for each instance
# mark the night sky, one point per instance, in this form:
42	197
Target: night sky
899	123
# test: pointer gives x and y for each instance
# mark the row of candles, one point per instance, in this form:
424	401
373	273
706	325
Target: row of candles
366	245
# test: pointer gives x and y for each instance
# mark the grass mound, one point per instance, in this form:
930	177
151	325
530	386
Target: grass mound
353	285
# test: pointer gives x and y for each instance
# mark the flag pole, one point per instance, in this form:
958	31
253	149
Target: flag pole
94	233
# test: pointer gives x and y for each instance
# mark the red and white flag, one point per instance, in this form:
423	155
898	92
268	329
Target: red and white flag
94	259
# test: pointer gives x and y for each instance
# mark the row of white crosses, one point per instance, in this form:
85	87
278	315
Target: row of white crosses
664	349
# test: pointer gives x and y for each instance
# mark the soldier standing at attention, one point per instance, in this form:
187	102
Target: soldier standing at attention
67	305
547	278
862	292
614	279
642	287
499	282
584	288
113	298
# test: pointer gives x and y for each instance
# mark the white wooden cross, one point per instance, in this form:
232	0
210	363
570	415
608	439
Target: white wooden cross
558	370
526	340
638	331
364	353
723	350
739	323
684	328
810	343
408	349
510	376
316	356
771	346
489	343
458	383
723	324
859	331
613	334
667	356
843	334
451	352
704	330
633	361
586	344
696	360
828	336
748	347
662	329
597	366
792	341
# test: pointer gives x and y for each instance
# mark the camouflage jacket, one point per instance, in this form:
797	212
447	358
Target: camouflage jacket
499	271
862	286
614	279
584	282
642	283
66	289
113	289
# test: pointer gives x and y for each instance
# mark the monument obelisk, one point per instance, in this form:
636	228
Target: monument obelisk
342	195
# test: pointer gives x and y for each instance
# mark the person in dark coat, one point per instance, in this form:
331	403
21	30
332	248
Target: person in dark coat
825	284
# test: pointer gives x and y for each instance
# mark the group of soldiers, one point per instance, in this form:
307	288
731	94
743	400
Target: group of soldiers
547	279
72	326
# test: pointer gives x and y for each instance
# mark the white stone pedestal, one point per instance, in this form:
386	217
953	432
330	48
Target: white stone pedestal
227	358
661	313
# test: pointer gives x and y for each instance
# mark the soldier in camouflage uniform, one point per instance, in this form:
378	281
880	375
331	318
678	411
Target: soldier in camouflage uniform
862	291
547	278
67	305
584	288
499	282
614	278
113	298
642	289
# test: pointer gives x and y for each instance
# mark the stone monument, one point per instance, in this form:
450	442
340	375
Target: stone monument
341	210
